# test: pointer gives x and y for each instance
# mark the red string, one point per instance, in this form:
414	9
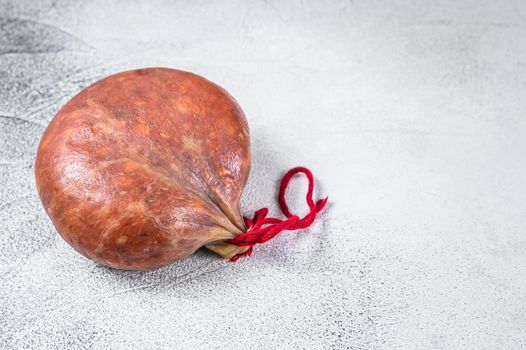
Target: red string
262	229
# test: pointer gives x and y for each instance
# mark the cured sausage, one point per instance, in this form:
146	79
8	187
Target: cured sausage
144	167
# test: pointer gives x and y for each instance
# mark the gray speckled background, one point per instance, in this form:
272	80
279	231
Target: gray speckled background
412	114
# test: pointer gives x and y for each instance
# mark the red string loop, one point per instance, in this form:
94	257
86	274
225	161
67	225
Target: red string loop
261	229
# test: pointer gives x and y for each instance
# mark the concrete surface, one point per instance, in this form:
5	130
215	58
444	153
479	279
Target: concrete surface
411	115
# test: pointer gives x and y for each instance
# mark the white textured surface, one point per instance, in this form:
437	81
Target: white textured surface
411	114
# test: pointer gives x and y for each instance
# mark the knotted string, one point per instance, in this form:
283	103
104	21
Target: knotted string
262	229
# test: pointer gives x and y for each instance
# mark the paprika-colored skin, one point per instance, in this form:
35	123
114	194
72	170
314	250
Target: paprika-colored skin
142	168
